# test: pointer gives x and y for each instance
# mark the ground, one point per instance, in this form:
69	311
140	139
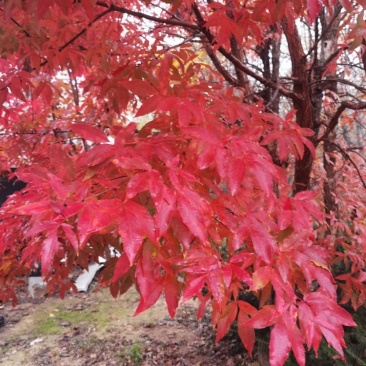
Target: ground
94	329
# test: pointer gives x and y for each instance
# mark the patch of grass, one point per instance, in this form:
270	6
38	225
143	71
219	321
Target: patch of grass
47	326
134	354
47	323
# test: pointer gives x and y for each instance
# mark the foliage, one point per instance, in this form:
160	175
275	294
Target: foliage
161	130
134	353
354	354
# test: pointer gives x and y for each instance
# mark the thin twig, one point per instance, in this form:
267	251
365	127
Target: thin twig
73	39
334	120
315	45
140	15
347	156
237	63
99	16
19	25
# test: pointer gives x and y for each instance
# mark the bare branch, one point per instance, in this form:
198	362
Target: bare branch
324	31
237	53
363	54
347	156
19	25
211	54
273	98
237	63
74	87
333	56
266	82
345	82
73	39
334	120
99	16
140	15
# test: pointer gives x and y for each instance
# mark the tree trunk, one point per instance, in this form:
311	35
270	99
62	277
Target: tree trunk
329	183
328	47
302	104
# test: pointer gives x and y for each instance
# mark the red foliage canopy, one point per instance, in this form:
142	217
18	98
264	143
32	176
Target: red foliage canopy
131	140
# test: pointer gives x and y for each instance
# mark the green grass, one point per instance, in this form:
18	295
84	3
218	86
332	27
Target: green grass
134	353
46	323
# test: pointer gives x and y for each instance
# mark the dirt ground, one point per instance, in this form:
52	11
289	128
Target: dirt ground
95	329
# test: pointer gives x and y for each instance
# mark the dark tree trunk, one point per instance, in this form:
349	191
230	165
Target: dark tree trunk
329	46
305	115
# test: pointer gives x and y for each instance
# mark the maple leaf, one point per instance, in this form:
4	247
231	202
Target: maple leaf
246	333
150	284
314	8
226	320
50	247
264	244
193	210
96	215
122	266
316	320
135	224
89	132
279	345
172	291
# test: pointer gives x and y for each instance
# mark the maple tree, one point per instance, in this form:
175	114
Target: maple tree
204	142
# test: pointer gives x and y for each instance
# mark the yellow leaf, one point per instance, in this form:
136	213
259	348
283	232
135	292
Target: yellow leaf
318	264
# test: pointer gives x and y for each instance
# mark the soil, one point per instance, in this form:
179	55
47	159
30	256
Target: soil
94	329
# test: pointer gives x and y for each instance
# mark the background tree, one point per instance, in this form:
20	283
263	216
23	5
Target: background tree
246	177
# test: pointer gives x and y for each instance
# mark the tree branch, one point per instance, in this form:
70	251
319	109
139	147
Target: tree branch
140	15
345	82
237	63
235	49
347	156
73	39
334	120
211	54
19	25
249	72
200	27
324	31
326	62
